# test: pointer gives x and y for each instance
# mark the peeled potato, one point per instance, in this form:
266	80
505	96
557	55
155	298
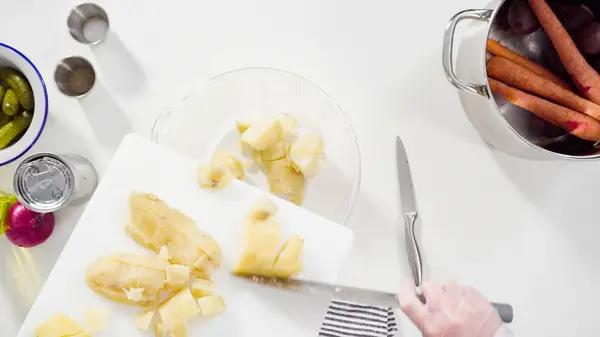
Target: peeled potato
289	260
154	224
178	309
214	176
60	325
285	181
230	163
263	134
127	278
304	154
211	305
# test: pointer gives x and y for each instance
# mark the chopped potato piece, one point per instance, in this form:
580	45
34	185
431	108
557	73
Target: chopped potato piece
134	294
263	134
229	163
201	287
57	326
214	176
275	152
160	330
177	276
187	244
285	181
143	319
288	124
96	319
242	126
263	209
289	260
211	305
304	154
179	330
178	309
163	254
259	248
128	278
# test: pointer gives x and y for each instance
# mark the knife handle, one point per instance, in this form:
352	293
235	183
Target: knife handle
412	247
505	311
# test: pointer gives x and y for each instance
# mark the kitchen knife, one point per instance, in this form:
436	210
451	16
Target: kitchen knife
372	297
410	213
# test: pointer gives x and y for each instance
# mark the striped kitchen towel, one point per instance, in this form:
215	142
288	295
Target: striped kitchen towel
358	320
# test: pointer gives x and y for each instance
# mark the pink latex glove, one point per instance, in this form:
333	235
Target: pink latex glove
451	311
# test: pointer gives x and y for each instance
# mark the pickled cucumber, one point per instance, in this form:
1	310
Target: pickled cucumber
14	128
10	103
19	85
4	119
2	92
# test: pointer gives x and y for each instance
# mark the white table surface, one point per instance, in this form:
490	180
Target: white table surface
522	232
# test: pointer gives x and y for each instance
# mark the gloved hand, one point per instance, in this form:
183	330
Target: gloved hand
450	311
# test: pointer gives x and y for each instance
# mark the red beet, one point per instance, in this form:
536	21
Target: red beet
28	228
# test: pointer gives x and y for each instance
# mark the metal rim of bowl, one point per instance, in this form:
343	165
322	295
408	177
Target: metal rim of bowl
514	131
42	127
80	95
356	189
107	22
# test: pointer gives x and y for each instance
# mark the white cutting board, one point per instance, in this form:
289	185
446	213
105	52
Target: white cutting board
253	310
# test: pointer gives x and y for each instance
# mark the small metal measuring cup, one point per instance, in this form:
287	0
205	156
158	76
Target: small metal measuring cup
74	76
88	23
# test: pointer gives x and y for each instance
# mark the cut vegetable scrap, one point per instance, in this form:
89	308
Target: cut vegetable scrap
96	319
289	260
242	125
127	278
305	153
134	294
160	330
144	319
163	254
285	181
178	309
211	305
261	253
177	277
264	134
229	163
273	153
213	176
154	224
263	209
259	248
202	288
179	330
288	124
59	325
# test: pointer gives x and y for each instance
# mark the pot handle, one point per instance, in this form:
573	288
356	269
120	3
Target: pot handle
470	14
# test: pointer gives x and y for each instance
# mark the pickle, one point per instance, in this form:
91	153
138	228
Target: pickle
10	103
14	128
2	92
19	85
4	119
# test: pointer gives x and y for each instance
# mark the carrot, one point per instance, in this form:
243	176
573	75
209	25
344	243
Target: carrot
574	122
522	78
585	76
498	49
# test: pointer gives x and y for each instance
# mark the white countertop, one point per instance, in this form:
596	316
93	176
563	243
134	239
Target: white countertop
522	232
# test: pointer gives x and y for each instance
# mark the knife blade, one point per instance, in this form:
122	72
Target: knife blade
410	213
351	294
363	296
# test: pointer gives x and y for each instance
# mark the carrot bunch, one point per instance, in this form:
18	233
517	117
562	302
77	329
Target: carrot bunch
536	89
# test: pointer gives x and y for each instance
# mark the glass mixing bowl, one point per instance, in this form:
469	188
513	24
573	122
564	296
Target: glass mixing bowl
204	122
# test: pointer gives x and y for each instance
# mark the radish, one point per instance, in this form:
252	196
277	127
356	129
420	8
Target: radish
28	228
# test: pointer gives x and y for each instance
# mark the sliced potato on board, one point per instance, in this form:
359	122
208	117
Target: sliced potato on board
154	224
128	278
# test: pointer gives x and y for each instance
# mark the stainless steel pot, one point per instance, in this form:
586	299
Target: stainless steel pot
503	125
